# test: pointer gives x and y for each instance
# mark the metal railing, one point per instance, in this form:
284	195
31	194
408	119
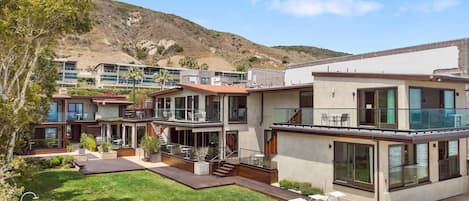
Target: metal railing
390	118
187	115
47	143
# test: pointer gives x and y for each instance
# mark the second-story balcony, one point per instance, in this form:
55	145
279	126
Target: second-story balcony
55	117
80	116
386	118
188	115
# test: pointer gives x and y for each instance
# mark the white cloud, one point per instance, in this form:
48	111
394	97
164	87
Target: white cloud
319	7
441	5
428	6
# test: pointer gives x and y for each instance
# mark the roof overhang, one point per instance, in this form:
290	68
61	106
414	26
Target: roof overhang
412	77
164	92
281	88
377	134
189	124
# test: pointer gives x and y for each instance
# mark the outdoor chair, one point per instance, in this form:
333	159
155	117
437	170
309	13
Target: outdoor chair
324	118
344	118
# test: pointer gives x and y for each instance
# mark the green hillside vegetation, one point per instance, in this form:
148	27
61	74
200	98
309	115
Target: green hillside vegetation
313	51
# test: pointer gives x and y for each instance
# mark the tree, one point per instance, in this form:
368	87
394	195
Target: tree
29	30
204	66
162	77
189	62
134	74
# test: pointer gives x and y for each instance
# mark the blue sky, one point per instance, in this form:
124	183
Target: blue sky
354	26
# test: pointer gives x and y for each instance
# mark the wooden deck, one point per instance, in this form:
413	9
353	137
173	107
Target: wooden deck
107	166
201	182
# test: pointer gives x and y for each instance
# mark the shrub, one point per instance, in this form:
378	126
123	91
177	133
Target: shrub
307	189
103	145
150	144
289	184
67	161
88	142
55	161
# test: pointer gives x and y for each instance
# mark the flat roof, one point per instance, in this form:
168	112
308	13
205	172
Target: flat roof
281	88
217	89
415	77
416	48
407	136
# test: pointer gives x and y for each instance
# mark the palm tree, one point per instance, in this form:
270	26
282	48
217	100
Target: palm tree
162	77
134	74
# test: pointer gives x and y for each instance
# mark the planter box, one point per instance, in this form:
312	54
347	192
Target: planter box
81	151
201	168
156	157
109	155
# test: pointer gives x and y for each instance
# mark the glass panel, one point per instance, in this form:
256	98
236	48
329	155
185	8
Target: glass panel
237	108
422	161
415	104
448	99
180	110
53	115
395	165
391	116
212	108
363	163
306	99
343	166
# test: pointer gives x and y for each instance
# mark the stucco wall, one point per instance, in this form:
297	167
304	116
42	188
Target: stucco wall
308	158
107	111
334	96
419	62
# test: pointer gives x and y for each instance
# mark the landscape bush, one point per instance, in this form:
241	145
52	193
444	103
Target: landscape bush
88	142
304	187
55	161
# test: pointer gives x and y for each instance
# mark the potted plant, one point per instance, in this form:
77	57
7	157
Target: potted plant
81	149
149	145
88	142
105	146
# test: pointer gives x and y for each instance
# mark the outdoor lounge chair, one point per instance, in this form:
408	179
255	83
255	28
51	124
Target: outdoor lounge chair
344	118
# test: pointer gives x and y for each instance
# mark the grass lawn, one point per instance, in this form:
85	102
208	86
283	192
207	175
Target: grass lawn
54	184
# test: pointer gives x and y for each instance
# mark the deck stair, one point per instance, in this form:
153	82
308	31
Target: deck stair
225	170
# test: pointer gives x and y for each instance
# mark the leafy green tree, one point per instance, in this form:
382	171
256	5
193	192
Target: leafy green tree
189	62
29	30
162	77
134	74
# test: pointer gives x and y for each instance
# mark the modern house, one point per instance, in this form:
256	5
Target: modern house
112	75
67	72
441	57
69	116
376	136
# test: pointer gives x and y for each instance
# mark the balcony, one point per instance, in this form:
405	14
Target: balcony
81	116
138	114
55	117
188	115
387	118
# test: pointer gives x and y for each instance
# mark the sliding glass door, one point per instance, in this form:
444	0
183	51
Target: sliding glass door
377	107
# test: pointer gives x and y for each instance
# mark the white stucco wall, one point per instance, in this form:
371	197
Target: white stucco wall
308	158
420	62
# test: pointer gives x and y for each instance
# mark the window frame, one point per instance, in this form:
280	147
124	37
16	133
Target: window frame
447	158
237	120
370	187
420	181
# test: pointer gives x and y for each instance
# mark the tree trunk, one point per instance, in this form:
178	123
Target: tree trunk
11	146
133	91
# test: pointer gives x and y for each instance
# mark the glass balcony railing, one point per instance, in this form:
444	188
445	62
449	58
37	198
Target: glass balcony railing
55	117
187	115
80	116
256	158
389	118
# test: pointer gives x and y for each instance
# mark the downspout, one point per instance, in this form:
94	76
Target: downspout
223	127
262	109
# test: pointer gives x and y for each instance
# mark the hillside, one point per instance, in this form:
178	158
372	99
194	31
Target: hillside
125	33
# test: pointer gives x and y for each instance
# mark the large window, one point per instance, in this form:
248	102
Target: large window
192	108
237	109
448	159
212	107
163	106
353	165
53	115
75	111
180	108
408	165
